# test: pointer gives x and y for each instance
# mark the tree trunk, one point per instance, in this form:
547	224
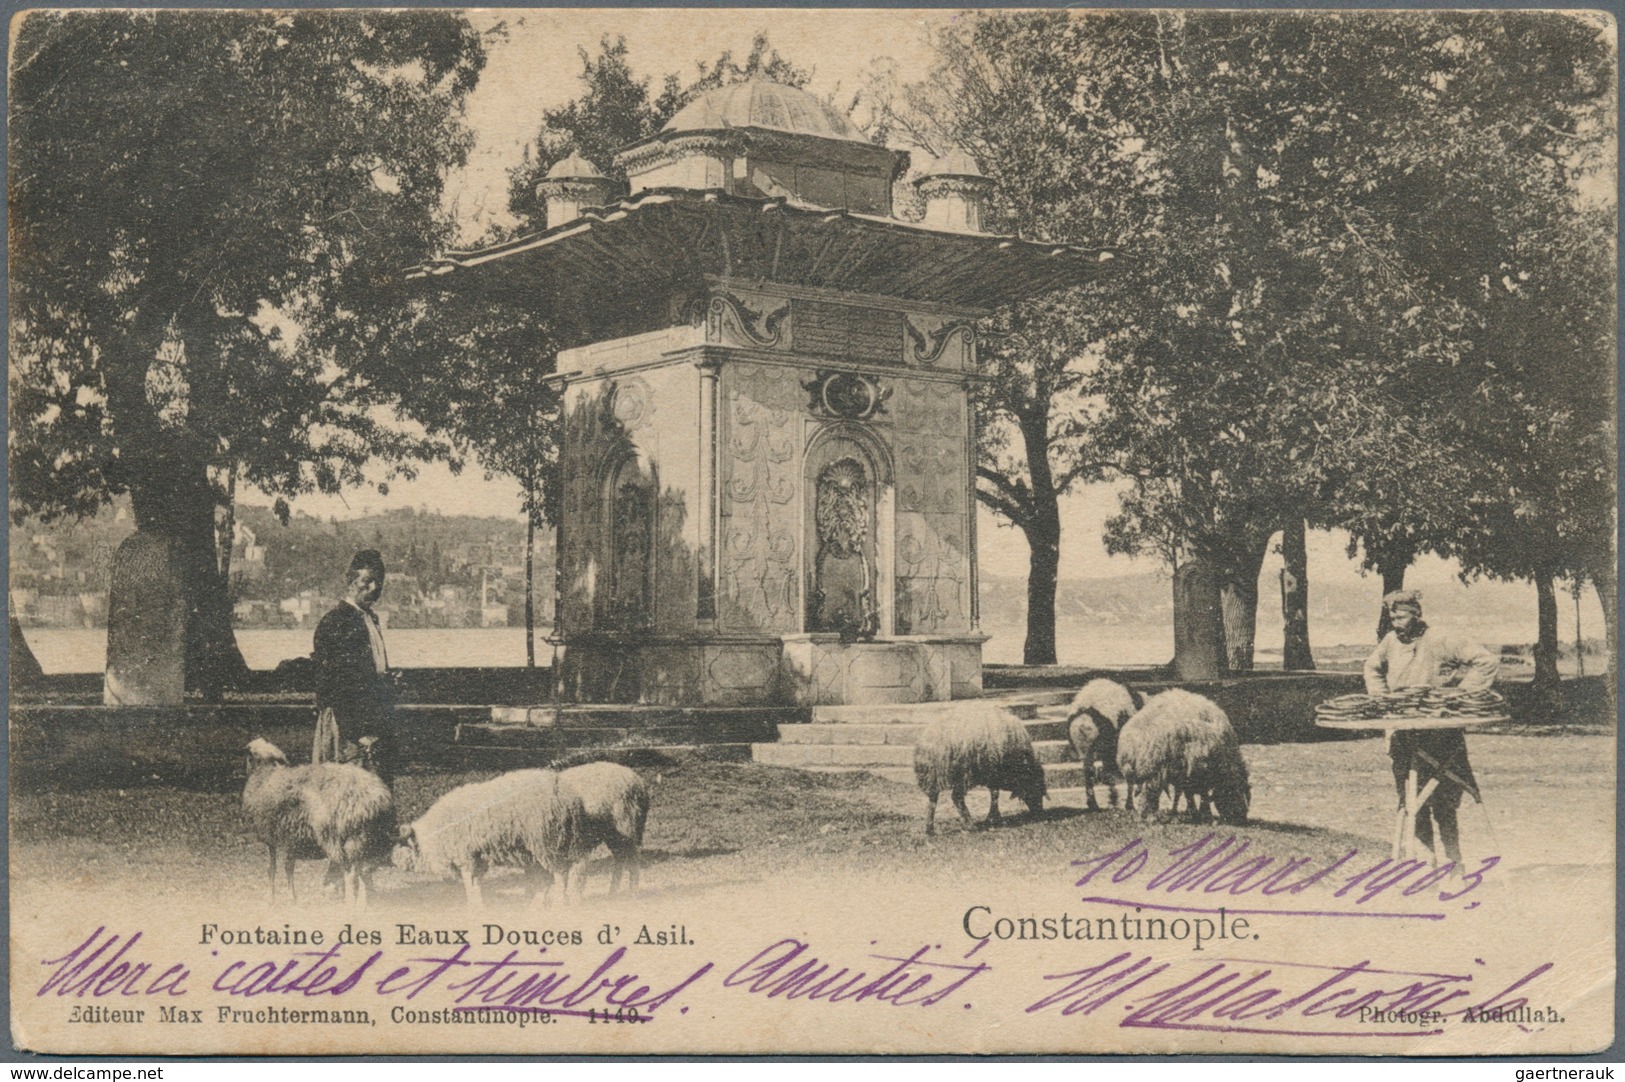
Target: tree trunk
1238	600
1607	587
1295	652
1199	643
1043	566
1393	578
165	467
1576	587
530	590
1546	675
1042	528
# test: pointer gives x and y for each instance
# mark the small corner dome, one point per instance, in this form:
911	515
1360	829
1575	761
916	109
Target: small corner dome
955	163
575	167
760	103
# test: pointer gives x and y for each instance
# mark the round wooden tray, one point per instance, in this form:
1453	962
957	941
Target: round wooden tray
1412	722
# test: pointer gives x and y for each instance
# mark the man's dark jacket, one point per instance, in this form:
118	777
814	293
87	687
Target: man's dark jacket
347	678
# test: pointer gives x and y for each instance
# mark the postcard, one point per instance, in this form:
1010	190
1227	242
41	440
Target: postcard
630	531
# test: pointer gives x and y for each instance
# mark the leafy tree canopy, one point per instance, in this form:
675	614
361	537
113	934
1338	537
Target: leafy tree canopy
209	213
200	183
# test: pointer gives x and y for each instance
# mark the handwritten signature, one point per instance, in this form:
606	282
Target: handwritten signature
1225	995
1238	995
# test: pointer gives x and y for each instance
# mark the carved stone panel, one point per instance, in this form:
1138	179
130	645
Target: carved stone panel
748	320
932	574
582	430
938	342
932	474
760	517
932	568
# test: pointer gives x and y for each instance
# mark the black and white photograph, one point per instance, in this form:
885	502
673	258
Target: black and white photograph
639	531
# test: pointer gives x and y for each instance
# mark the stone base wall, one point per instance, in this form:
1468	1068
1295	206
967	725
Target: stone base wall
821	670
798	670
671	673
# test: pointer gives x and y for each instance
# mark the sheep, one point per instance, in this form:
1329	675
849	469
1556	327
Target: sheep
615	802
333	810
524	818
975	747
1098	711
1183	743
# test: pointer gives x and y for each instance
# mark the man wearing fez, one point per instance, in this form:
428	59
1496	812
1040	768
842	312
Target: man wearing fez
1413	656
354	688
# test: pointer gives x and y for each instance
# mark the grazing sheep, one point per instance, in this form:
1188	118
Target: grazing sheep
1097	714
524	818
971	748
1182	743
333	810
615	802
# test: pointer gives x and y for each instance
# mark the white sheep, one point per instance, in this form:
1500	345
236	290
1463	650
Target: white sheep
334	810
974	747
524	819
615	803
1097	714
1183	744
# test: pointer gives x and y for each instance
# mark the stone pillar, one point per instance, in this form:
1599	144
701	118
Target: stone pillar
146	625
972	459
706	604
1198	622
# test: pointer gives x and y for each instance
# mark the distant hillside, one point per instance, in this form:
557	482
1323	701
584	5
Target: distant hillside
1339	613
434	549
59	578
457	565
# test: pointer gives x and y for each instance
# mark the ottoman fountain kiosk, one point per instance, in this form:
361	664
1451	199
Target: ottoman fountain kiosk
767	450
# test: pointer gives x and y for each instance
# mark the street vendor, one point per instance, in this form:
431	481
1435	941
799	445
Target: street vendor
1412	655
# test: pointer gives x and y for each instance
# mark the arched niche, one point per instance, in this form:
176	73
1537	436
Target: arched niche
847	494
630	494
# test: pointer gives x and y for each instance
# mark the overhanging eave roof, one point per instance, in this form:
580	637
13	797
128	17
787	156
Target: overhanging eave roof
663	237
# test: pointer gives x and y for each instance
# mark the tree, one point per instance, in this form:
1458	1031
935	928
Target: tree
1310	311
185	185
1544	503
1295	650
492	354
1034	98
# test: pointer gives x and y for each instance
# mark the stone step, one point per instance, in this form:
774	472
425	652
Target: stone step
866	755
1022	706
735	724
487	757
824	733
553	743
1058	777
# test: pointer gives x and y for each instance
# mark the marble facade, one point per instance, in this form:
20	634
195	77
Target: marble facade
770	501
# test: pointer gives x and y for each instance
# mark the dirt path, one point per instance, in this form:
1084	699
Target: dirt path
1548	801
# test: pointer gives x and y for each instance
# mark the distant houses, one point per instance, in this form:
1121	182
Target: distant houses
445	571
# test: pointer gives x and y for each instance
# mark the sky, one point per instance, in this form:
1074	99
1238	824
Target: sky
536	66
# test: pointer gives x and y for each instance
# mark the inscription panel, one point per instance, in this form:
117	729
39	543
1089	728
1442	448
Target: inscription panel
839	330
